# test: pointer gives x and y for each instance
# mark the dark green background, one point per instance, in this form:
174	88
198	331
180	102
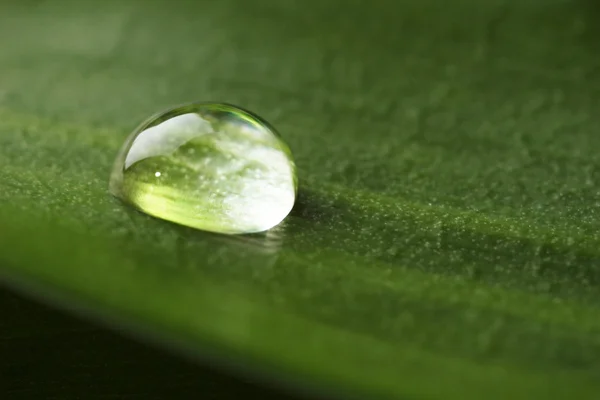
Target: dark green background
445	239
48	355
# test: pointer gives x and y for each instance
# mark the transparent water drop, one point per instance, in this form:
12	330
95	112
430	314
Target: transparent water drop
209	166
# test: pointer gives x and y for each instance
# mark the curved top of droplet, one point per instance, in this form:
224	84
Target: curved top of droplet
211	166
166	137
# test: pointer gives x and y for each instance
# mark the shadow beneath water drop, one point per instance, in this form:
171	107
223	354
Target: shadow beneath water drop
183	247
269	242
312	207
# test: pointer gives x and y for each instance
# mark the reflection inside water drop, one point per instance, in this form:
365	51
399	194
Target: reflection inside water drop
213	167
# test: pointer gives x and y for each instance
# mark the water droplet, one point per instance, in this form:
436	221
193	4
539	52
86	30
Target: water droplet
209	166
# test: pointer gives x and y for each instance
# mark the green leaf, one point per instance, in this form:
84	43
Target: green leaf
444	243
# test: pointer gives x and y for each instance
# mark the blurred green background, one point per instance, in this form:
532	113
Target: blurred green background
445	239
49	355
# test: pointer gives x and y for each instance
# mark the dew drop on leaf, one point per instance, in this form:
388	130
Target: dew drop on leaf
210	166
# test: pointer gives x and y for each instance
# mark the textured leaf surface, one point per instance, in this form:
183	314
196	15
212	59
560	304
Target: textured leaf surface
445	239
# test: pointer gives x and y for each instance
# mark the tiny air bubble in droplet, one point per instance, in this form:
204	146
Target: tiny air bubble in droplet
221	169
